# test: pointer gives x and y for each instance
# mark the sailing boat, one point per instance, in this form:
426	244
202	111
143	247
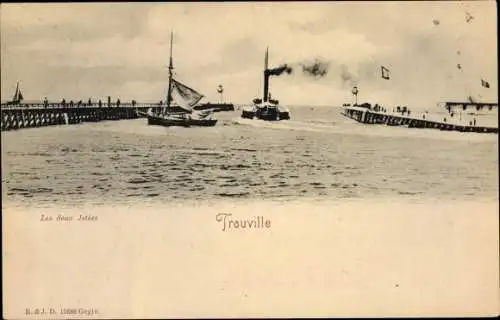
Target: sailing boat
18	96
186	98
267	108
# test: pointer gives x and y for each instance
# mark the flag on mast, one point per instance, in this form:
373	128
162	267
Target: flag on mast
385	73
485	83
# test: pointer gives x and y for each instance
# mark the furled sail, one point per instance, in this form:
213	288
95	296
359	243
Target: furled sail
185	97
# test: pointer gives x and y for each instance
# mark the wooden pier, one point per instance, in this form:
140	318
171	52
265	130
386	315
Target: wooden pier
21	116
30	115
368	116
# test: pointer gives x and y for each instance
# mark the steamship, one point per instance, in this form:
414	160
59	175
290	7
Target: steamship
266	109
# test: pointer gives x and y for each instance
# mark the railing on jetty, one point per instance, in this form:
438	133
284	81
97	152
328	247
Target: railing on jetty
368	116
454	105
31	115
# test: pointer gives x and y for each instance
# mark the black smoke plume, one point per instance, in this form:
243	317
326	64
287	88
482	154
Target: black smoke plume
280	70
316	68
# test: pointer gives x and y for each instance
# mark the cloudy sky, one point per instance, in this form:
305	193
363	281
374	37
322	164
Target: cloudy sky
94	50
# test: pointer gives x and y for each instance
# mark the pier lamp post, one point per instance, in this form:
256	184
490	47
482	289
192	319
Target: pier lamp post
220	90
355	93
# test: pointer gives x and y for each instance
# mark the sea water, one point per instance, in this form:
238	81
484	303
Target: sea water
318	154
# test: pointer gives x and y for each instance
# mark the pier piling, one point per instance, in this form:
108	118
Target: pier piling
21	116
368	116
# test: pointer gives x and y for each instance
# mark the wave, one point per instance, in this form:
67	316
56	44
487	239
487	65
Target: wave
232	194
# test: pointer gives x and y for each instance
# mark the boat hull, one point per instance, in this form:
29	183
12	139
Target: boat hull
216	107
157	121
247	114
203	122
266	115
284	115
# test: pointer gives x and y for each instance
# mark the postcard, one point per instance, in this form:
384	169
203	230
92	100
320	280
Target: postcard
249	159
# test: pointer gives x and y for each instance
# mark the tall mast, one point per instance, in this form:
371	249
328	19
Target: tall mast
170	68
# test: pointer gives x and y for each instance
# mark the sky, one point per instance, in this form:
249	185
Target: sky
76	51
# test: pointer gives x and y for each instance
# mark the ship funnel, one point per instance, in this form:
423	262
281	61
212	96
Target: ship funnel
266	59
266	75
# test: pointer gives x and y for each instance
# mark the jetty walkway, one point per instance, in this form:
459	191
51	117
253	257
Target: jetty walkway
30	115
49	114
423	120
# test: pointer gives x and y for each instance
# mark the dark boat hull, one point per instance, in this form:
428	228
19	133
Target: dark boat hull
247	114
268	115
157	121
202	122
284	115
216	107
